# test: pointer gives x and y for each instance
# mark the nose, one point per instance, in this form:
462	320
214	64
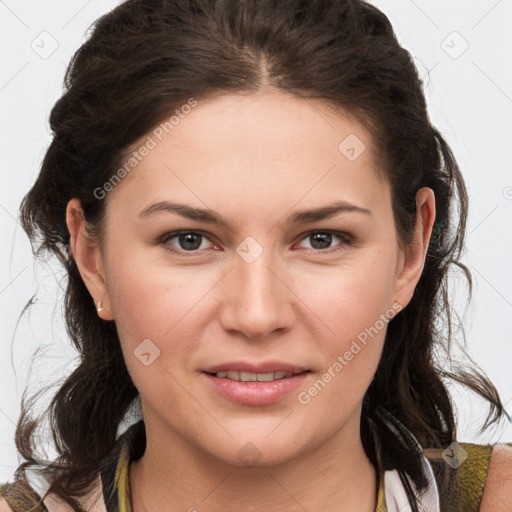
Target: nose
256	299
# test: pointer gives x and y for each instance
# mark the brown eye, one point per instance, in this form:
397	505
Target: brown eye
185	241
190	241
322	240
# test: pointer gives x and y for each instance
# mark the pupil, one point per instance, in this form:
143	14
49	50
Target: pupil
323	238
187	242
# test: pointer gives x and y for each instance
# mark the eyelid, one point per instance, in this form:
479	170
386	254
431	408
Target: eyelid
164	239
346	238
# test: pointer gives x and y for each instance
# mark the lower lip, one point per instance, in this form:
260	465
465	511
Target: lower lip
255	393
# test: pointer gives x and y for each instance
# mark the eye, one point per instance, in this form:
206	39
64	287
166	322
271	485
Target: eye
321	240
192	241
184	241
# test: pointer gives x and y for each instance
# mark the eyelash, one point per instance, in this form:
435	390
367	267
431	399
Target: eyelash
345	237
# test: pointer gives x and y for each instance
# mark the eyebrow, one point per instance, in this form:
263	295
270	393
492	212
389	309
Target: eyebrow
206	215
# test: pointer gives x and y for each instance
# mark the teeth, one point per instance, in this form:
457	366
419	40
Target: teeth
254	377
265	377
248	377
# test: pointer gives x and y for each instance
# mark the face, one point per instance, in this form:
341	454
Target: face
253	284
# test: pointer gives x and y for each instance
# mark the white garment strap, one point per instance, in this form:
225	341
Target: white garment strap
394	490
92	501
396	495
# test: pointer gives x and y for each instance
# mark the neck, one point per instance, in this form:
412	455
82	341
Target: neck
175	475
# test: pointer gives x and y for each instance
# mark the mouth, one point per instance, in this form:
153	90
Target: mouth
242	376
255	384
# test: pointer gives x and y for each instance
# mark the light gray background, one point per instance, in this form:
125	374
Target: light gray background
469	91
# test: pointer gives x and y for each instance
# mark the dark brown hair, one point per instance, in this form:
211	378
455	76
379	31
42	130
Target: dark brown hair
145	59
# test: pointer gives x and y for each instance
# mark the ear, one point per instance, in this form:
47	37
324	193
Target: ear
414	254
88	258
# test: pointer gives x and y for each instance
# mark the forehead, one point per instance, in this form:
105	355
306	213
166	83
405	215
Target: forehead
281	121
268	146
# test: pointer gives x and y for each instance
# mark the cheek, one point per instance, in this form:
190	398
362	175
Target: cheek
355	304
358	313
351	298
152	311
154	301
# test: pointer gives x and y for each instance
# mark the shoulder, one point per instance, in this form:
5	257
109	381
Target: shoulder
468	475
4	507
19	496
497	494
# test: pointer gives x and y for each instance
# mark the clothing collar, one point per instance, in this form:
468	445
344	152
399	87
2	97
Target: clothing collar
396	485
392	490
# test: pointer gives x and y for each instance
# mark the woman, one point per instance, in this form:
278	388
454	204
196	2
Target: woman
257	219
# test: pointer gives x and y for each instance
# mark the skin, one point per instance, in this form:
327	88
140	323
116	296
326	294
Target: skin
286	305
255	160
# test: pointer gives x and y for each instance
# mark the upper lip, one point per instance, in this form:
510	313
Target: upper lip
263	367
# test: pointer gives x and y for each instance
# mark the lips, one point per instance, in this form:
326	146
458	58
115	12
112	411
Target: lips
255	384
254	377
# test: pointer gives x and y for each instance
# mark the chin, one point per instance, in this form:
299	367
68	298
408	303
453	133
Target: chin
259	452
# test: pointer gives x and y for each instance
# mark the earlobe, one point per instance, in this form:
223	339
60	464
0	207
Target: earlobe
415	253
88	258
